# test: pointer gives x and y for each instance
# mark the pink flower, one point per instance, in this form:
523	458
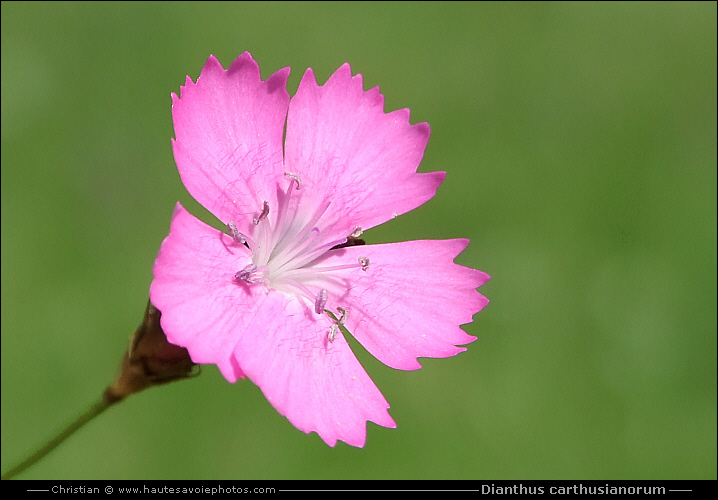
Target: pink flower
256	300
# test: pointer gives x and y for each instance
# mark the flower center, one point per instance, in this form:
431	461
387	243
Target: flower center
287	249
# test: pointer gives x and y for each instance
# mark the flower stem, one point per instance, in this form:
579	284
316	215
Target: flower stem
150	360
88	415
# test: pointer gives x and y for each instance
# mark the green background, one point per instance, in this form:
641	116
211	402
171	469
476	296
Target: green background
580	145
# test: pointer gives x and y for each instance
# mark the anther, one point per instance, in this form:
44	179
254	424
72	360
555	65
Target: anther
247	274
364	261
320	301
344	314
234	232
263	215
332	332
296	178
357	232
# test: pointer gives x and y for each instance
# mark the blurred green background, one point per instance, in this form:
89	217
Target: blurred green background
580	145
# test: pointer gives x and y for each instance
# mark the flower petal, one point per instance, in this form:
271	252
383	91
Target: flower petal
318	385
411	300
348	151
202	306
229	128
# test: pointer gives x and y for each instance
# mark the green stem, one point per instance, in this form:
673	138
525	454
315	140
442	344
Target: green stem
91	413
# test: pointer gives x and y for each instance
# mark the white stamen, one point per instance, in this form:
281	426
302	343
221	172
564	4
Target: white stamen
296	178
287	250
297	255
263	215
320	301
234	232
333	332
364	261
